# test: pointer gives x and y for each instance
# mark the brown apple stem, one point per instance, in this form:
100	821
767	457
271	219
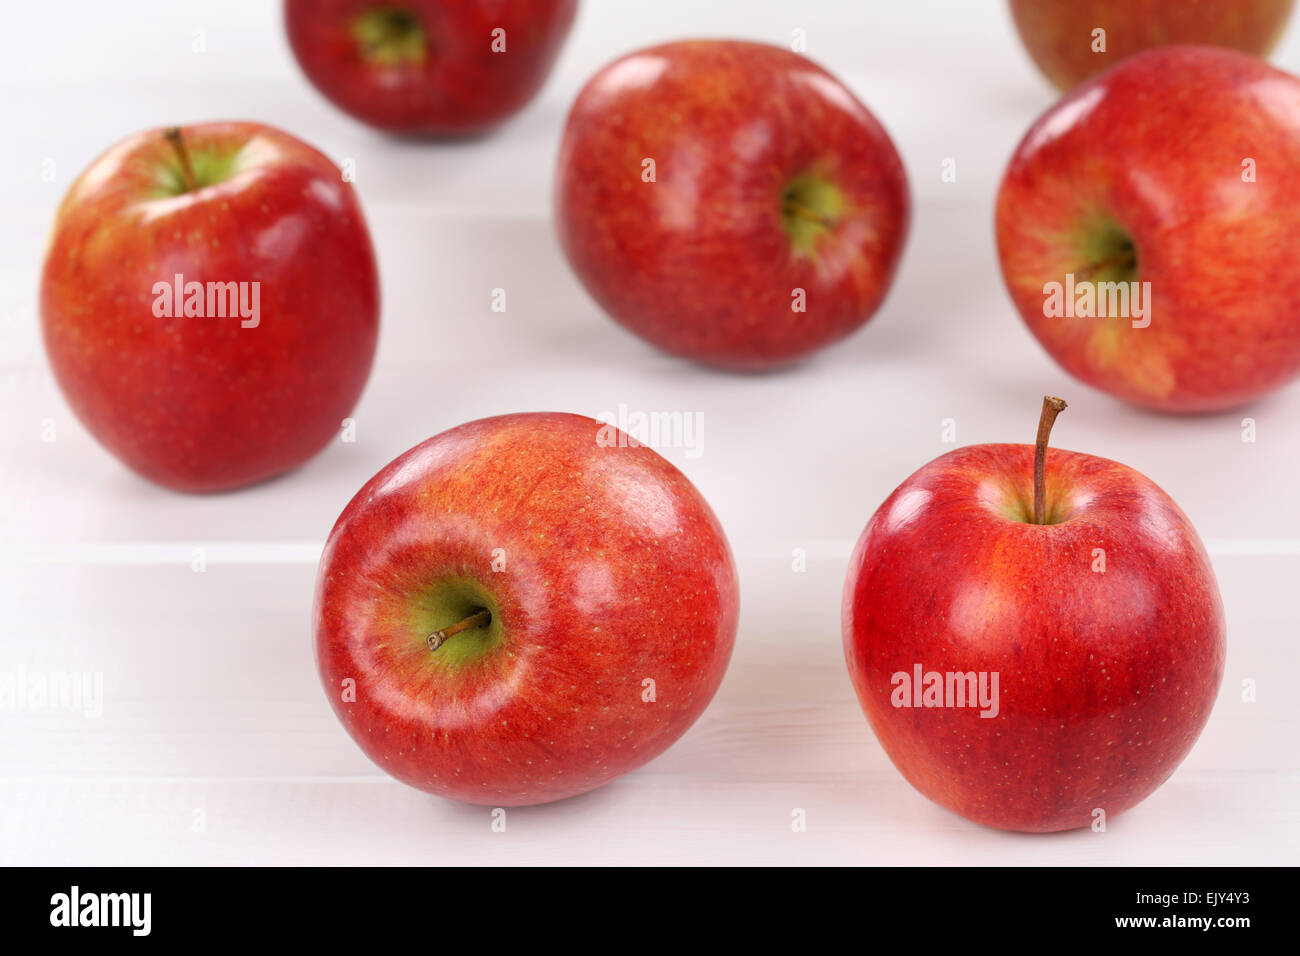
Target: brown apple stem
1051	408
801	212
187	171
480	618
1092	268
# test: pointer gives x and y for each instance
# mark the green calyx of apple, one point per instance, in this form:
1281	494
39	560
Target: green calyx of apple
390	36
811	207
193	169
1107	252
459	622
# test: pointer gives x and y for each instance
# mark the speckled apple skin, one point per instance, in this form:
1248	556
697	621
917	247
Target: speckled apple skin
699	261
1105	679
1058	35
1157	144
463	88
616	572
203	404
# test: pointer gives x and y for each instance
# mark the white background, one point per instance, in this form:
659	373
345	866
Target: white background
216	743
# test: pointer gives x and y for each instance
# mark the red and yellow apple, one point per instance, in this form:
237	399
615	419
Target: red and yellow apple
1174	177
1035	637
1061	37
730	202
428	67
523	608
210	303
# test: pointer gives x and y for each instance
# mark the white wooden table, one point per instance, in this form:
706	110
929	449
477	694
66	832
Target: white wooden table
216	744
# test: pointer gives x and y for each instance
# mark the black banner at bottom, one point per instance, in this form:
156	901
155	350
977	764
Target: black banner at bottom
374	905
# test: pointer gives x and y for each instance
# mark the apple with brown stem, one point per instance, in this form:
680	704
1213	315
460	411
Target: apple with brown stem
519	610
210	303
1034	637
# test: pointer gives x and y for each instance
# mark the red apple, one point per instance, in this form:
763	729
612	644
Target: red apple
1094	634
1176	177
730	202
1059	33
522	609
428	67
210	303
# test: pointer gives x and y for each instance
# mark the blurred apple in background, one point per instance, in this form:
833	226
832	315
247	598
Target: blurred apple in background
210	303
428	67
1172	180
731	202
522	609
1059	33
1033	636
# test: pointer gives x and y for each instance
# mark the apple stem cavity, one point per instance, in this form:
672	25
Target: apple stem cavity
480	618
1124	261
390	36
811	206
1052	407
183	157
